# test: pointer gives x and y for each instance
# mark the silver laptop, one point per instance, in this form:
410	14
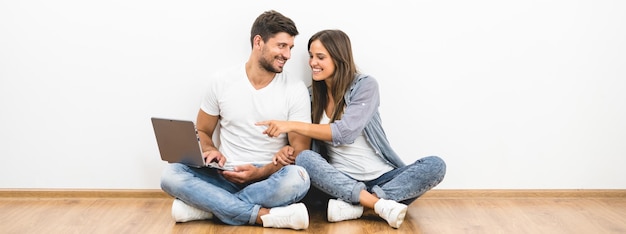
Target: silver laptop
178	142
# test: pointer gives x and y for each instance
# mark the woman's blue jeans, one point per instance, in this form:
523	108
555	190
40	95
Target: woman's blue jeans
234	204
404	184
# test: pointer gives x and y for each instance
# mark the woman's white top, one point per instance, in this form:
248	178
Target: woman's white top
358	160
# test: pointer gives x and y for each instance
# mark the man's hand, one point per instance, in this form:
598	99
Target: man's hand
214	155
243	174
284	156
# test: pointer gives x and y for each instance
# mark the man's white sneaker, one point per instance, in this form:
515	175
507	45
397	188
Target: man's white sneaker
181	212
294	216
391	211
339	210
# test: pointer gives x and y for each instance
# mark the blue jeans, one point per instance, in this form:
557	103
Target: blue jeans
404	184
234	204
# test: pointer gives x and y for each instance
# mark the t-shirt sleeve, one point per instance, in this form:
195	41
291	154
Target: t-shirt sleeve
208	104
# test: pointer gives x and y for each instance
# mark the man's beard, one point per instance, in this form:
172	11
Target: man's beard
268	66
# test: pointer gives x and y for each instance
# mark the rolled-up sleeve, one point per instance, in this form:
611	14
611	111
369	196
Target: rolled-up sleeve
362	102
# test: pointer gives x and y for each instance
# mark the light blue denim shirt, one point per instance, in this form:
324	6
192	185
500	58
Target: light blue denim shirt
361	114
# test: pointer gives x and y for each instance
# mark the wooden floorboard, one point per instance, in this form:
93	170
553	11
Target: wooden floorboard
438	211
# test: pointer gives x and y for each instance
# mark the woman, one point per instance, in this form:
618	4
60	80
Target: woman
351	158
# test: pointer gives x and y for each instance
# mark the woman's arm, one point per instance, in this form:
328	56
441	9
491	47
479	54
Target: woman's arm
360	109
362	104
315	131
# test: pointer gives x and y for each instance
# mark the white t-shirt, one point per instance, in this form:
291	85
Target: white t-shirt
239	105
358	160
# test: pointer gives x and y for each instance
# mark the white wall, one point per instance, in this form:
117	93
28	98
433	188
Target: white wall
512	94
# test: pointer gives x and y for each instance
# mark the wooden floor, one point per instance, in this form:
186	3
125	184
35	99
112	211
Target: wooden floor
438	211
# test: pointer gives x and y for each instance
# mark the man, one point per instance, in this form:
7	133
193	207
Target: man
263	189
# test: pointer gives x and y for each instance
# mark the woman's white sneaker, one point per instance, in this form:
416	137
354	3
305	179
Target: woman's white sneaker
391	211
339	210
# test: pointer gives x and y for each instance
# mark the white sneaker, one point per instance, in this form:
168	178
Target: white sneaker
339	210
294	216
391	211
181	212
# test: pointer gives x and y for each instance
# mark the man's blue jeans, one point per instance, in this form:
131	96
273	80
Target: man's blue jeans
404	184
234	204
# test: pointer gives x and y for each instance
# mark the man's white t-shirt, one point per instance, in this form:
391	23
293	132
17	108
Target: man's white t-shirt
239	105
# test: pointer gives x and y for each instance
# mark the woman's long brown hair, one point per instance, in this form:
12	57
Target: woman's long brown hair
340	49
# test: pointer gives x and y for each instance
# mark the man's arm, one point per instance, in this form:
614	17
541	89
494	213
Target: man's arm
206	124
299	144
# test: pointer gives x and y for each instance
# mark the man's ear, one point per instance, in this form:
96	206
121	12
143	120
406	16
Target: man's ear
257	40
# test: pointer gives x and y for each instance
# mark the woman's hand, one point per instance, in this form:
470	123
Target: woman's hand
275	127
284	156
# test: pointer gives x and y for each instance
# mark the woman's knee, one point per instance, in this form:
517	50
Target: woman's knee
437	166
436	161
305	158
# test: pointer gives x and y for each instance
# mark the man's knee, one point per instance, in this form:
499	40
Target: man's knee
298	175
170	177
297	180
